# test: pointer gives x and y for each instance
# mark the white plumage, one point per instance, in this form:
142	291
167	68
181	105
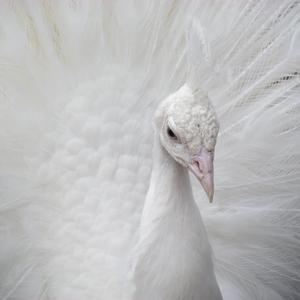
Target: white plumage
173	258
79	84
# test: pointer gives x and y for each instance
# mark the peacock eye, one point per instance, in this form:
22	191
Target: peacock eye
171	134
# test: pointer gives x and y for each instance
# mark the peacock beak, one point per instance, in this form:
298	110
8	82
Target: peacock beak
202	167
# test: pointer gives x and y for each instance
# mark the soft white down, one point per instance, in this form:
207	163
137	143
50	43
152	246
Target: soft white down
95	192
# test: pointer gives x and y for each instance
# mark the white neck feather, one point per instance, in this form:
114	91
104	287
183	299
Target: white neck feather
173	253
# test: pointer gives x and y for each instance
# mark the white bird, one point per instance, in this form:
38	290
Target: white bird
173	253
95	205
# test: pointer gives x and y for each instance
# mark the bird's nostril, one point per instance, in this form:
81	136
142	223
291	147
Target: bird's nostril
199	165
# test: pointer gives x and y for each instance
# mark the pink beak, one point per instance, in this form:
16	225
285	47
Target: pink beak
202	167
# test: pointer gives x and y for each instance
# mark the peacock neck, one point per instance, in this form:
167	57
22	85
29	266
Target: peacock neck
170	189
170	206
165	167
173	256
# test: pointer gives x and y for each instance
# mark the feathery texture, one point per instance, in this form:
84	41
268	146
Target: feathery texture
79	82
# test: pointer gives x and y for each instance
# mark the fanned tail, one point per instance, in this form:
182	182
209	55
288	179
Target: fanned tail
79	81
254	223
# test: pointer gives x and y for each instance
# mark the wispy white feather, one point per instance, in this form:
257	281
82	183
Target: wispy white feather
79	82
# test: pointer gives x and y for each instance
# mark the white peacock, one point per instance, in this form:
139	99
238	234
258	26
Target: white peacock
87	211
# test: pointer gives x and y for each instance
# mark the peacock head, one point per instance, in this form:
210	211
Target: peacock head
188	127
